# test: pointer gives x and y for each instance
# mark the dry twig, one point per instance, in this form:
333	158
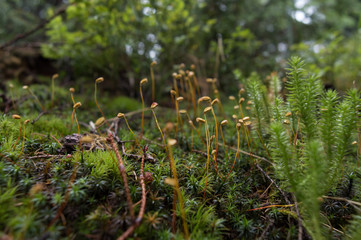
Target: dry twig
124	174
138	220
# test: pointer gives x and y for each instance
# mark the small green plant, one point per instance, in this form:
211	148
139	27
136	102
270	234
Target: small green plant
27	88
153	80
313	159
17	117
55	76
142	82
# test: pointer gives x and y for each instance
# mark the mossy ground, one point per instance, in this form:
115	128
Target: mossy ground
46	195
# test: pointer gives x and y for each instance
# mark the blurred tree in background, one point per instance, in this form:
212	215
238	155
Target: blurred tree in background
227	39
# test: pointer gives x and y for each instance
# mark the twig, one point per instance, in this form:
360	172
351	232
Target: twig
45	156
124	175
61	145
199	152
142	206
38	117
148	157
249	154
274	183
40	26
343	199
336	230
300	227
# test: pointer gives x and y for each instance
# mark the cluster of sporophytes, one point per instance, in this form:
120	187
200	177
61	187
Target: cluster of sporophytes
280	160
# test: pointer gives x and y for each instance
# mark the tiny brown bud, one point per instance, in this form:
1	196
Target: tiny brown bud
179	99
224	122
55	76
154	105
120	115
148	177
77	105
99	80
15	116
143	81
100	121
215	101
200	120
207	109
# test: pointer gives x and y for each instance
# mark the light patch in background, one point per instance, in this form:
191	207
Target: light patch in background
303	13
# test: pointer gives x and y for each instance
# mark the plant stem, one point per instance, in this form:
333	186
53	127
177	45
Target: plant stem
141	96
139	218
96	102
124	175
177	189
235	158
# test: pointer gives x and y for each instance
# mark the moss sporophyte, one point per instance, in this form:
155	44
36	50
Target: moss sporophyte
194	181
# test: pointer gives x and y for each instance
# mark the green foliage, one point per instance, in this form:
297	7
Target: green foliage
102	163
298	141
311	158
334	57
303	96
257	92
328	121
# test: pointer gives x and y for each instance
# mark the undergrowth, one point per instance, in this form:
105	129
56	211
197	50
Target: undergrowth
278	161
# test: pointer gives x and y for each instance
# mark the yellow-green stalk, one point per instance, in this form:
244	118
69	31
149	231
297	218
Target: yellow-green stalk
53	88
175	84
17	117
179	120
224	123
208	140
174	182
99	80
11	86
216	125
75	106
25	87
142	82
72	90
180	76
238	126
22	146
193	93
153	81
152	107
246	122
197	131
122	115
195	80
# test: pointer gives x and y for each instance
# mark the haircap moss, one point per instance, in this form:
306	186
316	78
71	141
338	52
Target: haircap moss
154	105
143	81
224	122
77	105
16	116
200	120
179	99
207	109
99	80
